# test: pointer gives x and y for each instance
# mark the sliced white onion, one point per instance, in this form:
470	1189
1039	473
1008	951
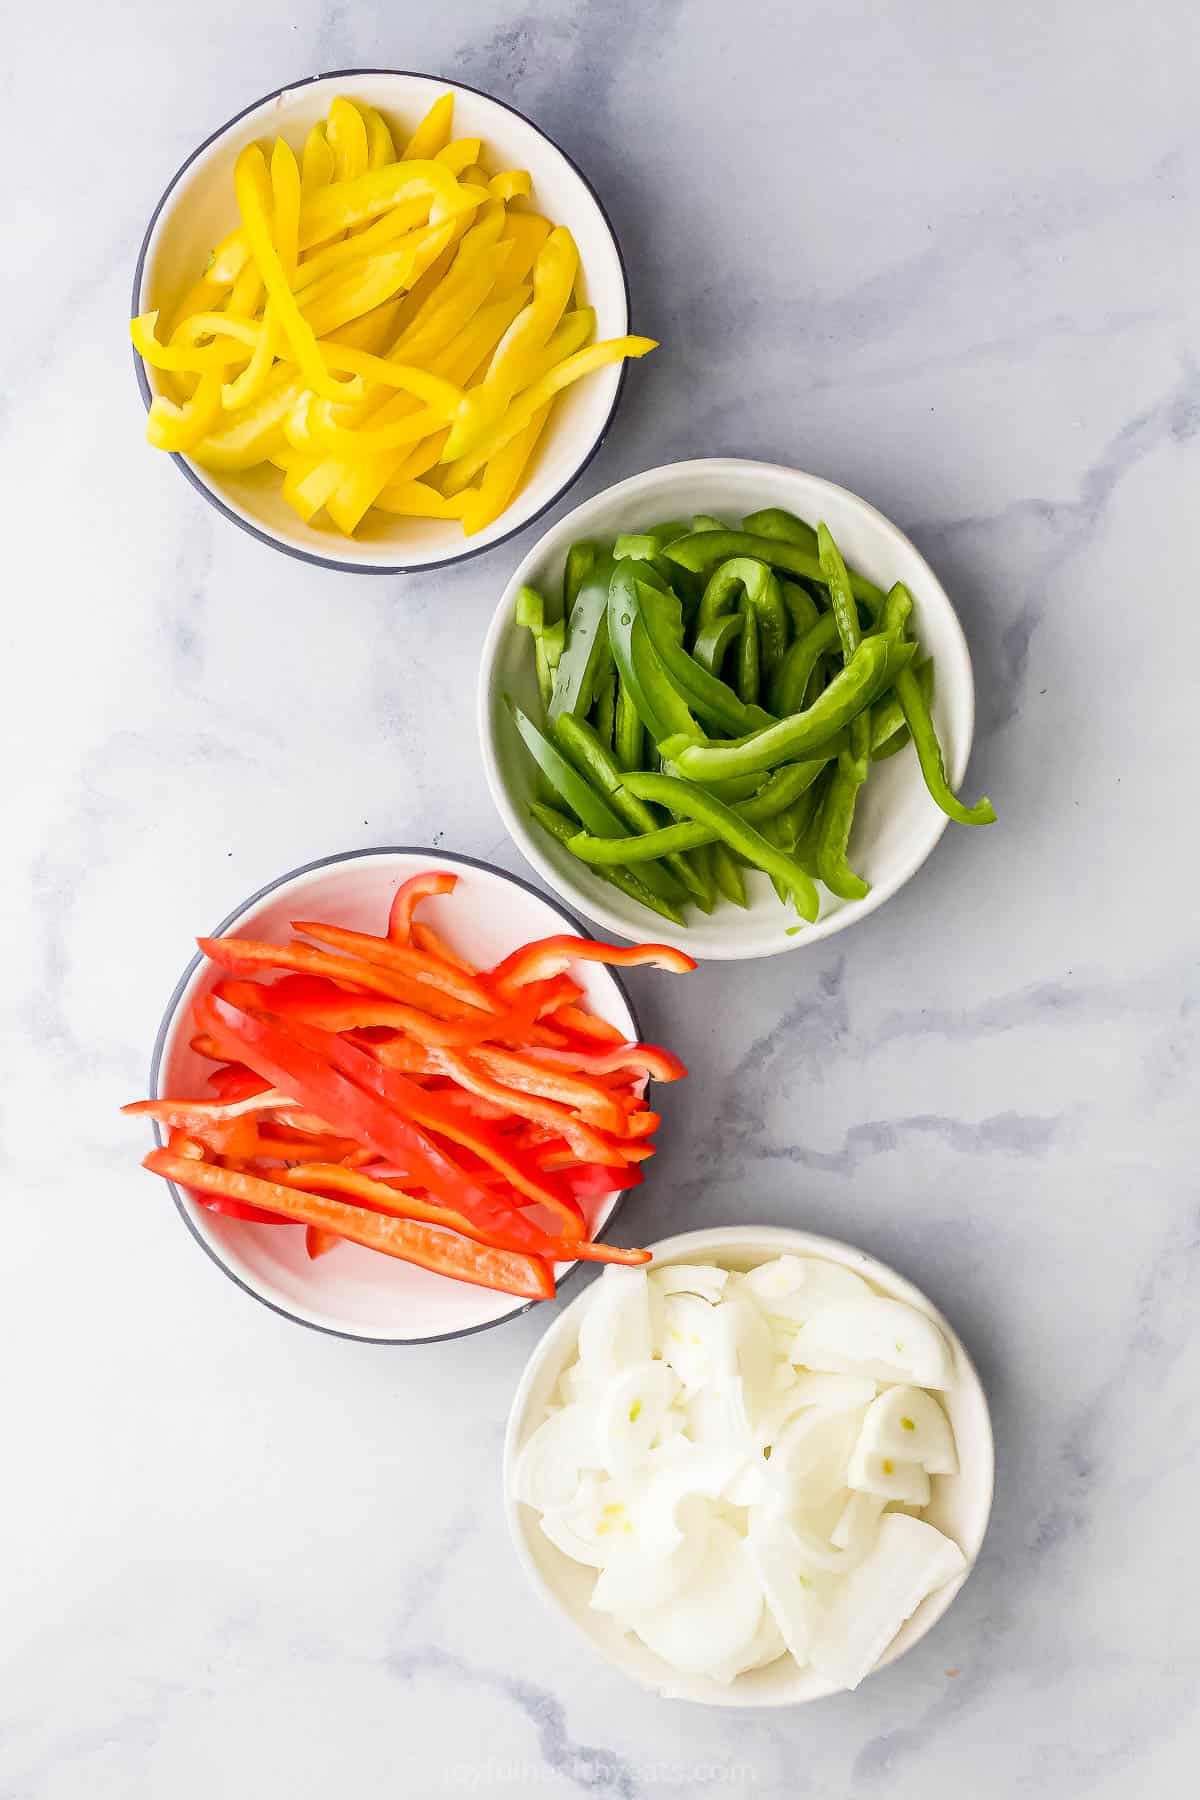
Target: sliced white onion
910	1559
793	1596
884	1339
792	1289
710	1626
551	1462
701	1279
810	1459
907	1424
638	1576
673	1473
858	1523
827	1393
691	1339
616	1323
631	1413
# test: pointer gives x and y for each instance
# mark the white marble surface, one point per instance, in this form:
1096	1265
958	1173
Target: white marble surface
946	255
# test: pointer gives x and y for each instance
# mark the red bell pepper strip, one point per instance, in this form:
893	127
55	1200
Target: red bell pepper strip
426	938
408	897
587	1025
643	1123
549	956
437	1112
382	1197
317	1066
245	956
234	1082
402	959
357	1012
180	1145
427	1246
202	1045
318	1242
643	1059
589	1144
560	1082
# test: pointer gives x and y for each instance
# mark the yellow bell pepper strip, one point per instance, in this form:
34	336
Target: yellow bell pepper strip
395	228
462	154
423	458
228	259
348	293
458	362
171	427
381	146
247	187
180	357
346	132
305	432
417	500
502	476
527	232
203	296
344	204
571	369
511	184
316	161
285	232
433	133
421	383
426	337
554	275
245	296
477	175
257	429
458	227
573	331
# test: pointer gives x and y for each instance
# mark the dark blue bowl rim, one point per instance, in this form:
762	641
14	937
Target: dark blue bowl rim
325	862
265	537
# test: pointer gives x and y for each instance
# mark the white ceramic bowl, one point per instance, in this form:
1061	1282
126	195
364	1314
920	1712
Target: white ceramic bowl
896	823
960	1505
354	1292
198	209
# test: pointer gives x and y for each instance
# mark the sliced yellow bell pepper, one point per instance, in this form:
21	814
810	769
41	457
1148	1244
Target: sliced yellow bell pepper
372	332
213	358
316	162
306	431
381	147
459	155
171	427
347	134
572	368
285	232
511	184
429	334
245	296
247	187
385	234
477	175
344	204
515	361
417	500
433	133
526	232
502	476
258	429
347	294
349	500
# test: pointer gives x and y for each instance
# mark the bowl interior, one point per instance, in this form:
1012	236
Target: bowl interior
352	1290
960	1504
896	823
198	210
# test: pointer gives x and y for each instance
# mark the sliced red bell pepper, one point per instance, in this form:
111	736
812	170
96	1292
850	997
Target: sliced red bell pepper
559	1082
427	1246
234	1082
318	1242
587	1025
424	937
549	956
246	956
202	1045
642	1059
185	1115
315	1065
437	1112
589	1144
408	897
402	959
192	1151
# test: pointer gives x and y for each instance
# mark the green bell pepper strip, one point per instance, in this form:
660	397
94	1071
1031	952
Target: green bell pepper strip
833	569
802	610
580	744
706	695
605	708
728	874
774	522
749	659
586	658
782	790
929	754
548	638
704	550
580	558
897	611
628	731
789	684
889	732
706	522
563	829
787	830
837	814
659	705
873	664
712	641
591	809
752	579
693	802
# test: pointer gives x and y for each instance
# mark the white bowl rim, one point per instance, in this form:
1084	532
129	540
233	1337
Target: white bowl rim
214	498
526	841
777	1240
181	987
